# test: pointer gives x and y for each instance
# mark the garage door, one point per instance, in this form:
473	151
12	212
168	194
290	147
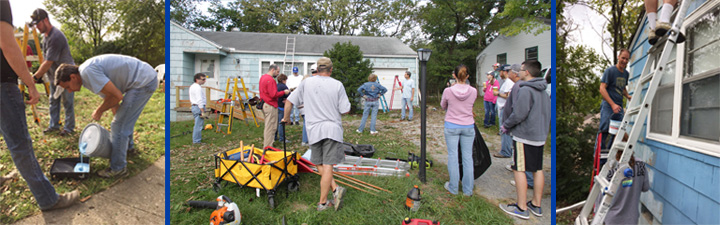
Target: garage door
386	78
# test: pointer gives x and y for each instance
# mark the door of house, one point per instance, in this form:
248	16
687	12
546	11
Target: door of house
210	66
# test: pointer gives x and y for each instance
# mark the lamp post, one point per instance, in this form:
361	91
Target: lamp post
423	56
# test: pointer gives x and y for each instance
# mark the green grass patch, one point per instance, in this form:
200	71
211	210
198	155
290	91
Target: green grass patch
192	178
16	200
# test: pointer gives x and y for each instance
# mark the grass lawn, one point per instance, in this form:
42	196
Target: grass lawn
192	178
16	200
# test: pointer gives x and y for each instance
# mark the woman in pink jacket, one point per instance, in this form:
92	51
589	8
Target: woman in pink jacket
490	99
457	101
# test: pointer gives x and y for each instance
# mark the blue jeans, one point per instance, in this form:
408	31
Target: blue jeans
606	114
489	114
304	132
67	103
199	122
280	133
368	107
506	141
13	126
408	103
123	124
465	136
295	114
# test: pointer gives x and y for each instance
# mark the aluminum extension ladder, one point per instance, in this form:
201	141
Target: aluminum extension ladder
354	165
289	53
635	115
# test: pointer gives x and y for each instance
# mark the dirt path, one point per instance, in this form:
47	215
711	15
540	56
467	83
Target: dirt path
494	184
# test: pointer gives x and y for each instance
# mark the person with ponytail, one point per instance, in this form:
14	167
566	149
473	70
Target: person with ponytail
457	101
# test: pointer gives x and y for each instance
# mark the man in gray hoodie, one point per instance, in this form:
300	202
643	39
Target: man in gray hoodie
528	123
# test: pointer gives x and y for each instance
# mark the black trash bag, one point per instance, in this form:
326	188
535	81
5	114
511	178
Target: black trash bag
481	155
358	150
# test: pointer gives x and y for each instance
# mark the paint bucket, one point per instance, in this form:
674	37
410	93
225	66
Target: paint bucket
96	141
614	126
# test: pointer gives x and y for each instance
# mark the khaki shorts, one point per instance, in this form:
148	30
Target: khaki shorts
326	152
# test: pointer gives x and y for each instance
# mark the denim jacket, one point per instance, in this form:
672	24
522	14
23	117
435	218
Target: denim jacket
371	90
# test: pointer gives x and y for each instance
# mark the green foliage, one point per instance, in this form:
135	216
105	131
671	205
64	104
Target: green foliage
121	27
350	68
524	16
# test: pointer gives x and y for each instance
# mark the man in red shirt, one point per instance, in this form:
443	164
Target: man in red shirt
269	94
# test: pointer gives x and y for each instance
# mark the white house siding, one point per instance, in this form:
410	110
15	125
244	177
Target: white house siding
515	48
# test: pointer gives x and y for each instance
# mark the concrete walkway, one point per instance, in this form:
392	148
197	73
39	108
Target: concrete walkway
137	200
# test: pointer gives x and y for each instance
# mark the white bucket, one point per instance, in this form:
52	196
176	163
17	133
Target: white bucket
614	126
96	141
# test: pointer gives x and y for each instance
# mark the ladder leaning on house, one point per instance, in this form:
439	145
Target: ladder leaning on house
632	124
289	54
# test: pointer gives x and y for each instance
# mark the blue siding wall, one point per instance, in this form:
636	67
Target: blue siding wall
686	183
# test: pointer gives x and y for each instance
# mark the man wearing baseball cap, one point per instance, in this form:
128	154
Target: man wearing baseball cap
325	101
292	82
56	51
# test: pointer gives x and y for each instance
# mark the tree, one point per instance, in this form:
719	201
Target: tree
85	23
350	68
523	16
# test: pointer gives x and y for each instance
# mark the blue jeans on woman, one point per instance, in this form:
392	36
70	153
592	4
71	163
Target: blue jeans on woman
489	114
123	125
369	106
199	122
465	138
280	133
13	126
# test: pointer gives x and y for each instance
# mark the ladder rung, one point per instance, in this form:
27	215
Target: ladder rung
599	180
225	114
222	124
620	145
647	78
633	110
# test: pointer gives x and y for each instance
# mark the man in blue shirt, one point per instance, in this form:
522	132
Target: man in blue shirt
371	92
612	89
115	78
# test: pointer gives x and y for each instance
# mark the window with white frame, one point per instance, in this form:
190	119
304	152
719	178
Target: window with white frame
700	103
662	107
502	58
531	53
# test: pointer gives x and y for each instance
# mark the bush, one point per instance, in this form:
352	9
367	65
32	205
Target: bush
350	69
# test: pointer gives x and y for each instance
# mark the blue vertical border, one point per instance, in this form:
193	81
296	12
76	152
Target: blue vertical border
167	113
553	39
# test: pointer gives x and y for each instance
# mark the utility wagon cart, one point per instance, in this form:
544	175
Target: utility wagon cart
263	169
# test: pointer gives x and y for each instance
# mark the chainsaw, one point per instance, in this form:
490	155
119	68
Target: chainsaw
226	212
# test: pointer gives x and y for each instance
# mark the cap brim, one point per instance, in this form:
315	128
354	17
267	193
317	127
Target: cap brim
58	91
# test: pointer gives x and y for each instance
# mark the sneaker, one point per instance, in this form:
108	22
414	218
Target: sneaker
65	200
373	132
447	187
50	130
109	173
536	210
132	151
512	182
327	205
358	131
498	155
509	168
514	210
662	28
304	144
66	132
652	37
338	194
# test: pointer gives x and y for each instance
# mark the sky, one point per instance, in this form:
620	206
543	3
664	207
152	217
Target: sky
22	9
589	27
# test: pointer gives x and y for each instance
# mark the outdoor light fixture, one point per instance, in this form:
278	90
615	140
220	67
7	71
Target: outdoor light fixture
423	56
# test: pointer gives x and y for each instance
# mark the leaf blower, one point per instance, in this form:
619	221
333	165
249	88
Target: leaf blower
226	211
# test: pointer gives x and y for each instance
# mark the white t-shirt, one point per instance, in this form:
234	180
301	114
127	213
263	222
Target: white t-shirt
408	85
125	72
324	101
197	95
293	81
505	88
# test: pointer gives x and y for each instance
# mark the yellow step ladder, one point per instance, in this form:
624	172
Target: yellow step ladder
227	108
22	39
